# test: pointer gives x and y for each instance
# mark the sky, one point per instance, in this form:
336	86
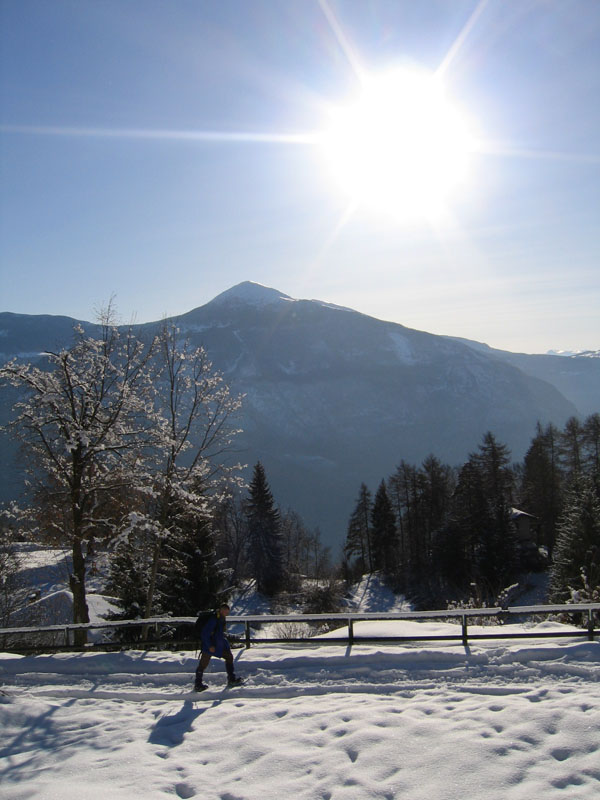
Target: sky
162	152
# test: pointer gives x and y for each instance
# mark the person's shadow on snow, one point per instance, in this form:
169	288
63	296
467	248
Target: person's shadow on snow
171	729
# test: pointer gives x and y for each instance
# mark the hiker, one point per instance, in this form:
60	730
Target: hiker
214	643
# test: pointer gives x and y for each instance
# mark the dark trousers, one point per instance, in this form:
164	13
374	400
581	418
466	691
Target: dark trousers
205	660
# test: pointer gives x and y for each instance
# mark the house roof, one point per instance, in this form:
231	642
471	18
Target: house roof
516	512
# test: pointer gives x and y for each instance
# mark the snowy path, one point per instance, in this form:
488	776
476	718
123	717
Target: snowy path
289	671
506	721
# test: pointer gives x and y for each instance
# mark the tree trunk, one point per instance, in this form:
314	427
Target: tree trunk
152	583
77	585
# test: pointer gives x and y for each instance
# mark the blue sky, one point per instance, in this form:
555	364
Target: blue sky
162	152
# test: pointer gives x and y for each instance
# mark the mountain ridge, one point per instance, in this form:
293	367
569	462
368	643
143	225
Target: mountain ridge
334	397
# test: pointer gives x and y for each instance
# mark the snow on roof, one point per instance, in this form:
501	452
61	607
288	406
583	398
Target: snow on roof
252	293
516	512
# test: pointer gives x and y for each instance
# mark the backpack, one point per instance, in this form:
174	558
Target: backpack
203	618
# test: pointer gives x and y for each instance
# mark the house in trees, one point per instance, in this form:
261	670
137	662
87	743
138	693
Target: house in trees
525	525
526	528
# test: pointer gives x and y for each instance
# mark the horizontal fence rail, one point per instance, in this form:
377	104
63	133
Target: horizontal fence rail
178	632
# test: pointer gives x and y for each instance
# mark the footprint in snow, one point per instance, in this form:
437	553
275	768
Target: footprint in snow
184	790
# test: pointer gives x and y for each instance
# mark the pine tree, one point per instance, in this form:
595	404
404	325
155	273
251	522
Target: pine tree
497	557
571	448
457	545
358	544
190	578
578	542
265	551
591	448
493	460
406	494
478	544
383	533
542	483
129	570
437	483
438	486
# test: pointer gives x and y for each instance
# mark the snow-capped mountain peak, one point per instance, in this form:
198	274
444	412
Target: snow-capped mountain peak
250	293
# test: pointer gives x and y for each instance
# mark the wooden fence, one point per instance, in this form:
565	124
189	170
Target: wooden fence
178	632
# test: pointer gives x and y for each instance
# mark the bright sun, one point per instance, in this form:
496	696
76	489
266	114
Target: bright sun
401	147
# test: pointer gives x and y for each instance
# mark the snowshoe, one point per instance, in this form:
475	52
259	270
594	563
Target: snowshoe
235	682
200	687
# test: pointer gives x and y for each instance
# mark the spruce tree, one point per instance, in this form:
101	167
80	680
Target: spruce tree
190	578
129	568
577	551
265	552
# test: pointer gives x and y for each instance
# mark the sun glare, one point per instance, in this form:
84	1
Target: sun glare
400	147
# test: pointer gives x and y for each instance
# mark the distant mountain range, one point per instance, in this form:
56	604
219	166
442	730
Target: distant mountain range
575	353
335	397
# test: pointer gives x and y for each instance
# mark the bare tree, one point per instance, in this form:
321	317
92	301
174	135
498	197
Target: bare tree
232	536
193	433
304	553
85	419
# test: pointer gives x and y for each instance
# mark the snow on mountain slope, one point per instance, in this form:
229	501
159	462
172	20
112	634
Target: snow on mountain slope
575	353
250	293
372	594
576	374
44	598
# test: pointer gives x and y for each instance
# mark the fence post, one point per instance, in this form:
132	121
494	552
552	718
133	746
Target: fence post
247	628
350	631
465	639
590	625
66	637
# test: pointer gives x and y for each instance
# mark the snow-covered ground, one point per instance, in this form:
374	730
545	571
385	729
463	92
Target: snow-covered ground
44	575
513	721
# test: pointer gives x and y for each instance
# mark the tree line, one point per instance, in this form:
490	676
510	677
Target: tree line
439	533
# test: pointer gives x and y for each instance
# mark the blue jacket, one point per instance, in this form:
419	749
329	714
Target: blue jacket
213	635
